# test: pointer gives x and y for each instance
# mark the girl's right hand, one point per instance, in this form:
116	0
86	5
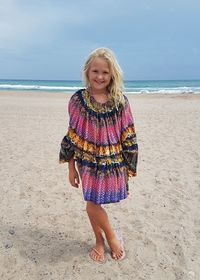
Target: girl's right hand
74	177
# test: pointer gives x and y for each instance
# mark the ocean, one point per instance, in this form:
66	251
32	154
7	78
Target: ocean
140	86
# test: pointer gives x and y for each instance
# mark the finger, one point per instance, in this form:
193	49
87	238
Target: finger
76	184
78	180
72	183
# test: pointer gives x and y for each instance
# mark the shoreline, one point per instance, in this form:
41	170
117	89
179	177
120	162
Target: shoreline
62	93
133	86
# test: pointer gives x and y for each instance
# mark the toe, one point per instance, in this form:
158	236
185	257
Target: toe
118	255
96	255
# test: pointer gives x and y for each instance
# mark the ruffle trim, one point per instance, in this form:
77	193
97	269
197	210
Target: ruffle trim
131	159
128	132
67	151
101	151
106	161
101	164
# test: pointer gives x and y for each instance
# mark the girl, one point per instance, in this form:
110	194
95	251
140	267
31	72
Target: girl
101	140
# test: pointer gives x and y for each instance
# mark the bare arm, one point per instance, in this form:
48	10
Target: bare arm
73	173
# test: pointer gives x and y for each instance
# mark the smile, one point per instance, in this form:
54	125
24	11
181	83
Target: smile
99	82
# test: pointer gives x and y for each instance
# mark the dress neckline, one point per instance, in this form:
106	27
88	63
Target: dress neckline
95	105
93	99
97	102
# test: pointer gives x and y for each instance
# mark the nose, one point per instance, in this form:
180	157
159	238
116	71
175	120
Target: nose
100	76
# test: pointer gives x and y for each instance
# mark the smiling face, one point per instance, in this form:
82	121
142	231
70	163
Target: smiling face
99	75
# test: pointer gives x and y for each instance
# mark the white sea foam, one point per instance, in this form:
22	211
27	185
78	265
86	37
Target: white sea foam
136	90
37	87
178	90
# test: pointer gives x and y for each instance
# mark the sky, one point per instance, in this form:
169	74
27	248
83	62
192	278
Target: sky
51	39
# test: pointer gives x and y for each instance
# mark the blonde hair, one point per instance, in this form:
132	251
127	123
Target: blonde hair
115	88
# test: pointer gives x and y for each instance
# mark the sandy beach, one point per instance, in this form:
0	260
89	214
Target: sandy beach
44	229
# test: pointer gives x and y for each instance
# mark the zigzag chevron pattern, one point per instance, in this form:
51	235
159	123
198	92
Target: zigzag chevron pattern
102	140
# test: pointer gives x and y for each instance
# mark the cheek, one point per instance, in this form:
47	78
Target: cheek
89	76
109	79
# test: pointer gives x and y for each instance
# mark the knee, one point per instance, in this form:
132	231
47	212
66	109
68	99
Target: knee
91	207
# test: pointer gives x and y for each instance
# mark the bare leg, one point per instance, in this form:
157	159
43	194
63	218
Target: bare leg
99	215
100	245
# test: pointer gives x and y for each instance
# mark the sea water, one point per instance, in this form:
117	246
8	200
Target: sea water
141	86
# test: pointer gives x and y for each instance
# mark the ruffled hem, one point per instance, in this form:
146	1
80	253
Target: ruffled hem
131	159
106	198
67	151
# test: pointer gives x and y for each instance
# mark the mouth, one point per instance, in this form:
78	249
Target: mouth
99	82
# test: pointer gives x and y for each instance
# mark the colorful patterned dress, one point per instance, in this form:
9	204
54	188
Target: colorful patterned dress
102	140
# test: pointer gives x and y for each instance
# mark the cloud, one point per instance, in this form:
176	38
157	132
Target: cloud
23	24
31	29
58	34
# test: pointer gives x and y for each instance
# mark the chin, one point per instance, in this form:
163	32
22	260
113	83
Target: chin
99	87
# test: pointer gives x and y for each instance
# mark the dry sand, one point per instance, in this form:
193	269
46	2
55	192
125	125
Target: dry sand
44	230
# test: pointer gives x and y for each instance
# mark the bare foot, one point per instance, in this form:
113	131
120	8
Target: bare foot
116	248
97	253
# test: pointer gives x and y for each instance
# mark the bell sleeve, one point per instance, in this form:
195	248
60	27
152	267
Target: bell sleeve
67	147
129	140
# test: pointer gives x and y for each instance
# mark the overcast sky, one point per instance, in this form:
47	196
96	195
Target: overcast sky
50	39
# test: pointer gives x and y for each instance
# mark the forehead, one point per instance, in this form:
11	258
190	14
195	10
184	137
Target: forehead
99	62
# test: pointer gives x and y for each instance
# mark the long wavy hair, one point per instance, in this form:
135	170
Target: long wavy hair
116	86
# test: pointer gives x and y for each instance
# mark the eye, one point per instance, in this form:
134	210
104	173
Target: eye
106	72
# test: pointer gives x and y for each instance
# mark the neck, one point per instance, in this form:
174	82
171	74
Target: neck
97	92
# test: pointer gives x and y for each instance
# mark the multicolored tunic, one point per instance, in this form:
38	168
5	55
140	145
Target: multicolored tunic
102	140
